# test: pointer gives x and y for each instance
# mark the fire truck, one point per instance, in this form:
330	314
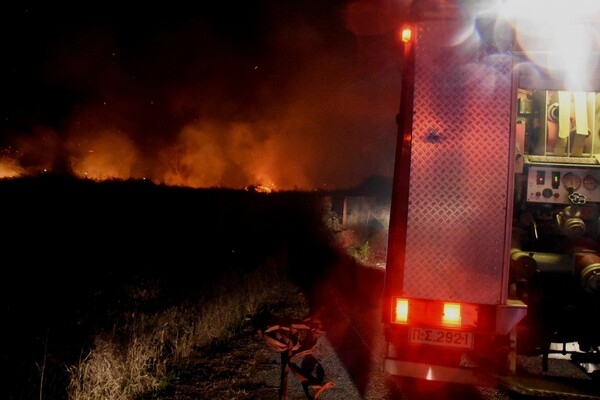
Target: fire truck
493	256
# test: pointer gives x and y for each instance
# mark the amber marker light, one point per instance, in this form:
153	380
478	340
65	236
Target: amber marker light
401	311
451	316
406	34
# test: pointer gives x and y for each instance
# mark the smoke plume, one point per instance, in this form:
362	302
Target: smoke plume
257	92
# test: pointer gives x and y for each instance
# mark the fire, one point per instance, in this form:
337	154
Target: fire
258	189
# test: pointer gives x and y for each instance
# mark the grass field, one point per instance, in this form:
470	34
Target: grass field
108	284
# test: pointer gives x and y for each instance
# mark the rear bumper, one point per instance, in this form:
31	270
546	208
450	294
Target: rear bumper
439	373
524	383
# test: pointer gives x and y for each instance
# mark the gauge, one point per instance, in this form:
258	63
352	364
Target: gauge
590	182
571	181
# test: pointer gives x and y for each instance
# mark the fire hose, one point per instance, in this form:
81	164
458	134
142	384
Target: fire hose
584	263
296	341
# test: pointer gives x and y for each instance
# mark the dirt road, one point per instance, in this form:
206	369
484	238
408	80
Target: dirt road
353	349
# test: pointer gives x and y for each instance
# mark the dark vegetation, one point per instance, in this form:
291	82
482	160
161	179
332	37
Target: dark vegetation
78	253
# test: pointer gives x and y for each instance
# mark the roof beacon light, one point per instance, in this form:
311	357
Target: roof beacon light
406	34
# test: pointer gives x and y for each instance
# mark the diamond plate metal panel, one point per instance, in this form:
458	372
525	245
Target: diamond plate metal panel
459	170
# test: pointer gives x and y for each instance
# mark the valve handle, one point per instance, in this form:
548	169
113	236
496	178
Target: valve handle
577	198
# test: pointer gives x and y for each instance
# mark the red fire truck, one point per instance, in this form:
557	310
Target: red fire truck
494	237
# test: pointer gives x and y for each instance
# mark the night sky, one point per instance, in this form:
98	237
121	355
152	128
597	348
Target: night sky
202	94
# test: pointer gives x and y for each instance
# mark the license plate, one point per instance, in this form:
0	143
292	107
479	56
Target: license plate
440	337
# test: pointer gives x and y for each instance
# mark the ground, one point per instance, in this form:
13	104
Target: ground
246	367
242	367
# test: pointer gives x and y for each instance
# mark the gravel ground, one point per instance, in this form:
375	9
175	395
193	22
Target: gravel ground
246	367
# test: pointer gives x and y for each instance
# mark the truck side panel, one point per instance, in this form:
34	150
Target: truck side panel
459	170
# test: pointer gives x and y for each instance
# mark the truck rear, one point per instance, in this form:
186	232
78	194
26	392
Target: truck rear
494	235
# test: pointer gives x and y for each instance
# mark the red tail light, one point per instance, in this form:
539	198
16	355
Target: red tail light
401	311
434	313
451	315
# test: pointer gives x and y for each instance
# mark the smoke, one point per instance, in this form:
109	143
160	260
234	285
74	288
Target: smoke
209	97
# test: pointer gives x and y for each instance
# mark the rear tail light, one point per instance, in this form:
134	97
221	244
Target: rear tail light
434	313
401	311
452	314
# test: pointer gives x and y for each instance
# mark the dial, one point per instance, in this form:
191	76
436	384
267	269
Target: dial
590	182
572	181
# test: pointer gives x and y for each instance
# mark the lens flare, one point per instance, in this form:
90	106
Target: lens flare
557	36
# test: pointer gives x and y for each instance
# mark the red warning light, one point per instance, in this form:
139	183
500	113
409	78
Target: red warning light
406	34
541	177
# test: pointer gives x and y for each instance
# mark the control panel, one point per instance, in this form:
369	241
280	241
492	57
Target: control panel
563	185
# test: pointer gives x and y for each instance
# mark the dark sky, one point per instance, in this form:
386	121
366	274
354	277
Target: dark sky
202	94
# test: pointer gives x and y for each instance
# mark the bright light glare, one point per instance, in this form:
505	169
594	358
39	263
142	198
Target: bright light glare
401	311
451	314
549	11
429	376
574	43
566	28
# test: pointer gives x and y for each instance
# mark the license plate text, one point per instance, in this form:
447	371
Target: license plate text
439	337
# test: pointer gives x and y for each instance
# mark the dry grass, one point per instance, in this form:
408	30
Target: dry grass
87	329
136	356
139	356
